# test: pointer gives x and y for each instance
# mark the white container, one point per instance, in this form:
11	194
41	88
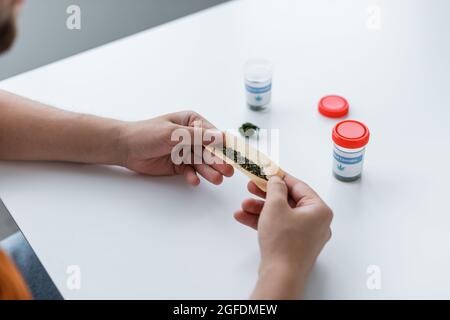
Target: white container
258	84
348	163
350	139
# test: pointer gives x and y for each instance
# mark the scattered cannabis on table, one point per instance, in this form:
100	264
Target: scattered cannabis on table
245	163
248	129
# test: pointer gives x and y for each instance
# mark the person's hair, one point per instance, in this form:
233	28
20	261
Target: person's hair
7	34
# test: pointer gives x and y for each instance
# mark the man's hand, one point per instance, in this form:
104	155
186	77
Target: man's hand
30	130
147	147
293	226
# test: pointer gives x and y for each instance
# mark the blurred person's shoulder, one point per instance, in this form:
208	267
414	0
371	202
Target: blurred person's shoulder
12	285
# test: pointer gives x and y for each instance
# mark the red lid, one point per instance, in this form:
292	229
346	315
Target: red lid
351	134
333	106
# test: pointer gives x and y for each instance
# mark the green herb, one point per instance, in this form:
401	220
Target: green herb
248	129
245	163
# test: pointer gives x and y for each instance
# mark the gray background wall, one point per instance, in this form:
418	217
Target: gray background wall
44	37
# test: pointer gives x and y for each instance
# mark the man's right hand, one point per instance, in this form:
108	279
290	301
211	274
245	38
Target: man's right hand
293	226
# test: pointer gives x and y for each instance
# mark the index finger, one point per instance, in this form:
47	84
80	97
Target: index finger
189	118
202	132
253	188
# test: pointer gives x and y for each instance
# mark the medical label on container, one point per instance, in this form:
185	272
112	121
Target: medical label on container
258	93
348	163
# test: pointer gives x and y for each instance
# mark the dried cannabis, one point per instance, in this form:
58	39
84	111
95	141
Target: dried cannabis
248	129
245	163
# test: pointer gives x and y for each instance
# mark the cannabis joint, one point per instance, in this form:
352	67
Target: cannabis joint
245	163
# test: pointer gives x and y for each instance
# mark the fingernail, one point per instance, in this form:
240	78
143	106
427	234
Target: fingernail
275	179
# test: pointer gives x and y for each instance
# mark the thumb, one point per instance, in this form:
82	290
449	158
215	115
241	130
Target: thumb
277	191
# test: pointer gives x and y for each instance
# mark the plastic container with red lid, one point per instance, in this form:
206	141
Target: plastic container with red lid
350	138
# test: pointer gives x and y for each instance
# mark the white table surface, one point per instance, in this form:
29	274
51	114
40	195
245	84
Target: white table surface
143	237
